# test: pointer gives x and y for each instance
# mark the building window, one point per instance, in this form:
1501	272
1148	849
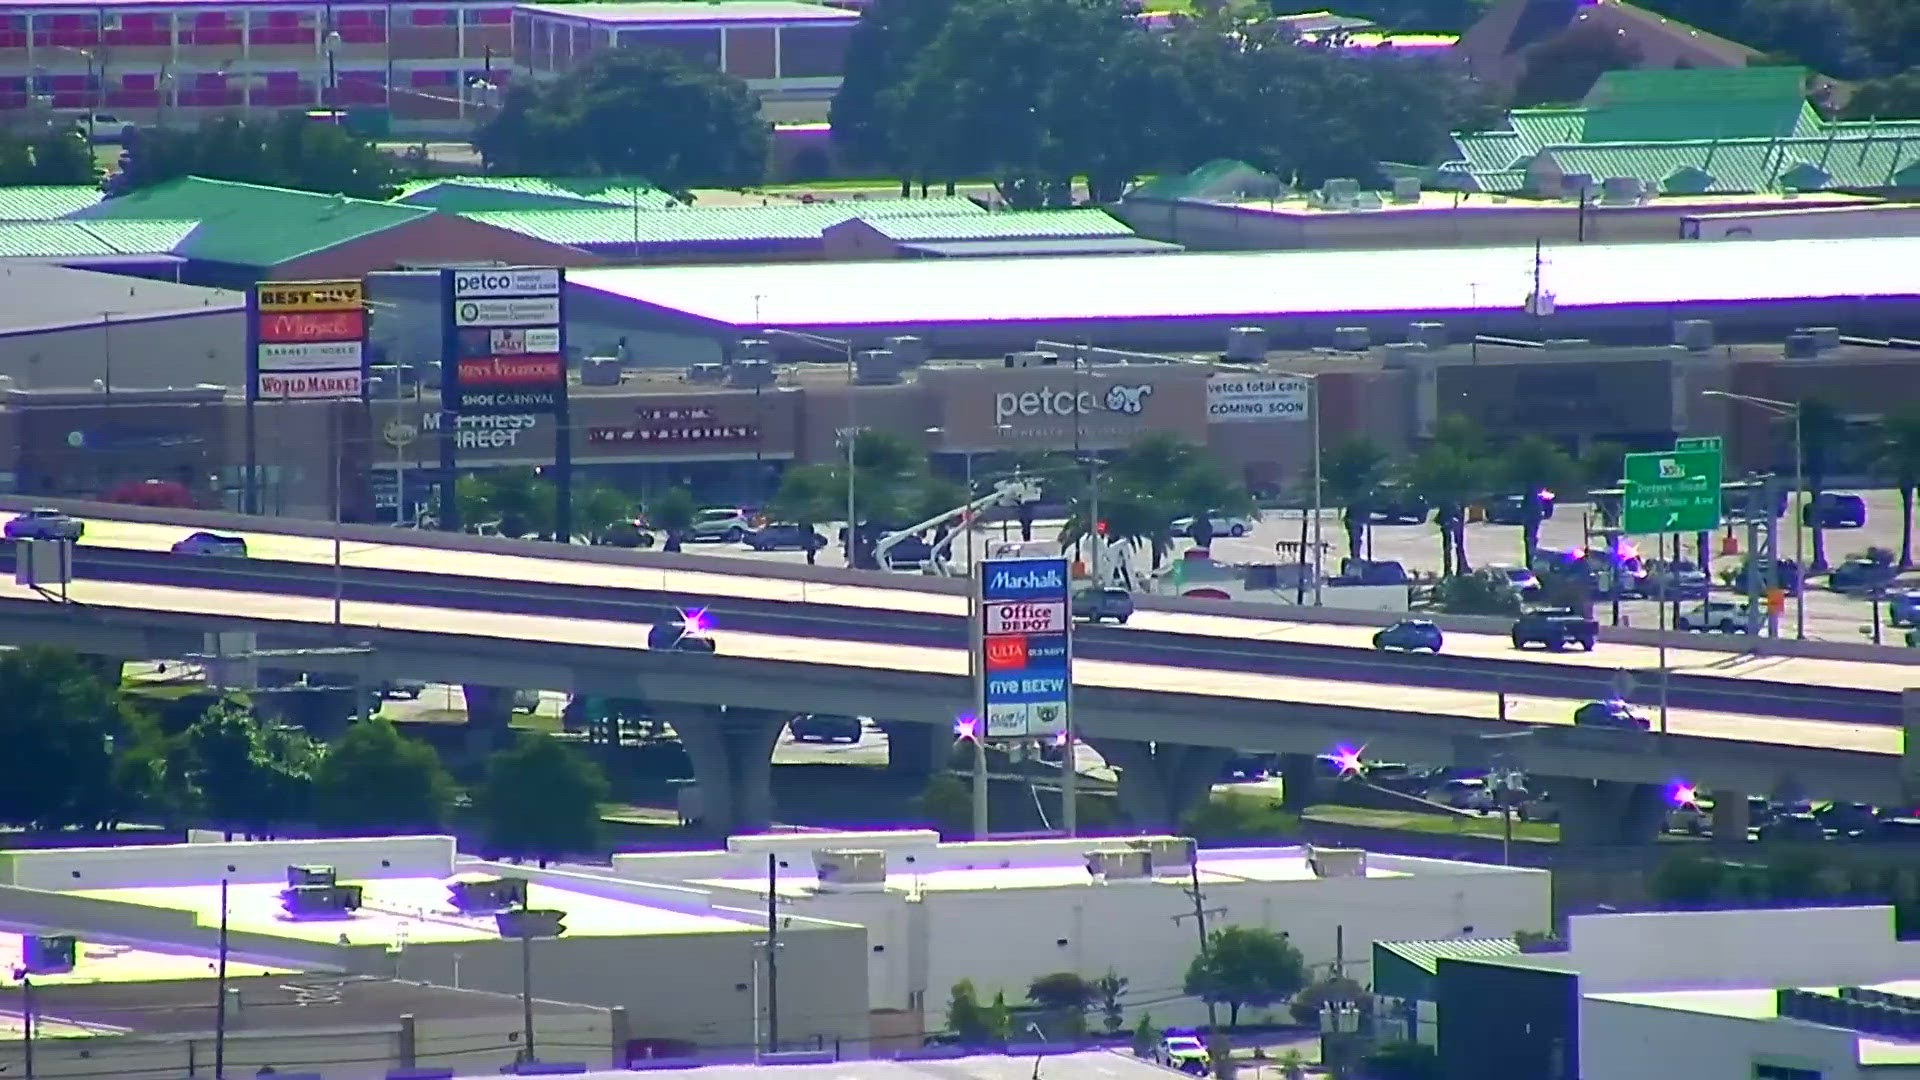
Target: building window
1784	1072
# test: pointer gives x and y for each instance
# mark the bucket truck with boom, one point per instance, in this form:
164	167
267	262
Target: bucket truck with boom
1020	490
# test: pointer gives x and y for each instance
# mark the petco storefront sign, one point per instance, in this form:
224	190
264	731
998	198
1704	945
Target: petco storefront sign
1125	399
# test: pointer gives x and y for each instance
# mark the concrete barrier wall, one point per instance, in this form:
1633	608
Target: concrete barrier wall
655	560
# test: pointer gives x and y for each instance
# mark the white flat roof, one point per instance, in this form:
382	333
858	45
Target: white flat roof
1237	870
1763	1004
101	963
1255	284
416	909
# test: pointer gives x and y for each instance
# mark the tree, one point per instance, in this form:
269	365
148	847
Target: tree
66	739
287	151
1335	990
672	513
1821	433
890	34
250	776
808	494
1448	478
595	508
1065	994
1349	476
975	1024
946	804
888	472
1402	1060
56	154
1896	97
1245	965
541	800
376	781
1535	469
506	498
1564	67
1899	458
633	112
1109	989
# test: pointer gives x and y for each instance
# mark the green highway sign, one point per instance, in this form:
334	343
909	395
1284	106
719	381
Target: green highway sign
1698	442
1672	491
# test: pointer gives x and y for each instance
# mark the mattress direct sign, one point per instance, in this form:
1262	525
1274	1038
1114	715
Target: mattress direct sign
504	336
308	340
1026	656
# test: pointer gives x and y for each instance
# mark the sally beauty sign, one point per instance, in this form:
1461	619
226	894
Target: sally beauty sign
1023	653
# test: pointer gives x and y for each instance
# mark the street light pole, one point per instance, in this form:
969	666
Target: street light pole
1319	545
1794	410
853	424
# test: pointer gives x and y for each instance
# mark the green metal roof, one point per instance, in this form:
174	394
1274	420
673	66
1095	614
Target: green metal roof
1005	225
1747	165
1426	955
45	202
715	224
465	194
69	239
1217	177
249	225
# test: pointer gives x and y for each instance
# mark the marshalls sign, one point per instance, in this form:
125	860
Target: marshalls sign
1237	399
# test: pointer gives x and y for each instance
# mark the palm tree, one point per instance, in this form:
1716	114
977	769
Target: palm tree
1900	457
1821	431
887	469
672	513
1449	479
808	494
1535	468
1349	476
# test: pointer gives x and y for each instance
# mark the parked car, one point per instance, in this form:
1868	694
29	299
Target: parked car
909	554
1524	581
1715	616
1393	504
1903	608
1848	820
207	543
1789	575
1539	808
1512	509
1555	628
678	635
825	727
1692	818
1462	793
1860	576
785	535
1245	766
1094	604
1610	714
1678	581
1223	524
44	524
1898	829
1184	1052
1797	828
720	524
632	533
526	701
1409	635
410	689
1373	572
1835	510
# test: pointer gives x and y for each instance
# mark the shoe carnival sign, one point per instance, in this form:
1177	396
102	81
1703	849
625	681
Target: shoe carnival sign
306	341
1023	653
505	341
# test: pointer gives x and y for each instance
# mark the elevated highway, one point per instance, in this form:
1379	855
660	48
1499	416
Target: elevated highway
748	688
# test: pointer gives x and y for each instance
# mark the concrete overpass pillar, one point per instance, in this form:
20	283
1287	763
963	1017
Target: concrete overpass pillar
1160	783
916	749
732	754
1299	781
1607	813
489	717
1730	818
108	669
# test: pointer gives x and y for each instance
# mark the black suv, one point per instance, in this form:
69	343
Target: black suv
824	727
1555	628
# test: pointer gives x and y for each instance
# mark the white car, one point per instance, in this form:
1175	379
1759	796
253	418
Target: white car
1715	616
1523	580
1462	793
1182	1052
1223	525
722	524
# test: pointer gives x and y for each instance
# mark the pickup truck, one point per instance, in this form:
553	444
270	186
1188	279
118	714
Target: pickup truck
1555	628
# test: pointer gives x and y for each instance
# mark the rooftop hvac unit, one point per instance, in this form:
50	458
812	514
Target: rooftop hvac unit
1032	358
320	901
1576	185
912	351
1406	189
750	374
1802	346
1401	354
753	349
847	870
1693	335
1825	338
1566	344
1246	344
1337	862
876	367
1429	335
298	876
1621	190
1340	191
1352	338
707	374
1119	864
1166	854
48	954
600	371
486	895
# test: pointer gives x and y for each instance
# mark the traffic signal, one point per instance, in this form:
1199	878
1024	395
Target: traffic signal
531	923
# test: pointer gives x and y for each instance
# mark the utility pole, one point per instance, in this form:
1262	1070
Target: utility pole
220	990
773	953
1200	921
